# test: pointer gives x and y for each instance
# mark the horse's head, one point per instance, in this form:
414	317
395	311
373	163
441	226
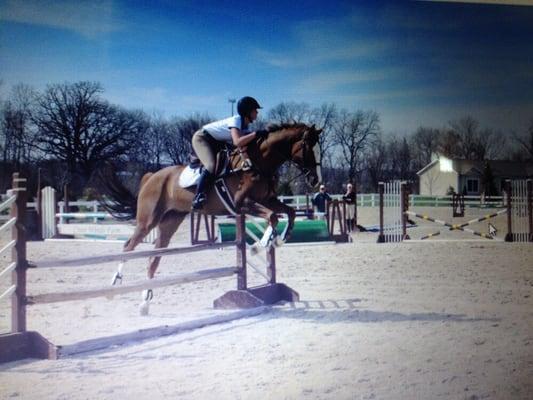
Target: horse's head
305	153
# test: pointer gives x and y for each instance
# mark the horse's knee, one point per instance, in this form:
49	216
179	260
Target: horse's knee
273	218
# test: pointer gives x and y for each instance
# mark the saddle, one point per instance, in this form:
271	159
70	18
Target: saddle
222	165
223	168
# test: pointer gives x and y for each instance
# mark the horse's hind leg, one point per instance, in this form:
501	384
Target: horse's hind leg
140	232
167	227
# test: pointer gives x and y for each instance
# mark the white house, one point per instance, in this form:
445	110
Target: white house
465	176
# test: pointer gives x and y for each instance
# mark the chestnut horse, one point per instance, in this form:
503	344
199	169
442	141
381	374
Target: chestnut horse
164	204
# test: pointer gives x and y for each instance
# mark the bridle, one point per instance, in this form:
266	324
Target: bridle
305	168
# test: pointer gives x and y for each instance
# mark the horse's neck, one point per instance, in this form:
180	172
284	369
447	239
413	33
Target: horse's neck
277	149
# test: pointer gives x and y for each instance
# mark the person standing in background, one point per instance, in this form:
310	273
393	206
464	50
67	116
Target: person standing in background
320	199
350	199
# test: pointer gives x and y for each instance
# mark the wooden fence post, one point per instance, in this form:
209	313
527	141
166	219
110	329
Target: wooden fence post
18	254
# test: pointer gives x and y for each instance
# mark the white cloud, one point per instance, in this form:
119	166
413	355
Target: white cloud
86	17
317	42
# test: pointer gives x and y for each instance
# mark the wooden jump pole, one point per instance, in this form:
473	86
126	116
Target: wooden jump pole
240	244
18	255
75	262
249	297
334	212
23	344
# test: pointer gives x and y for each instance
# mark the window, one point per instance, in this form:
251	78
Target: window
472	185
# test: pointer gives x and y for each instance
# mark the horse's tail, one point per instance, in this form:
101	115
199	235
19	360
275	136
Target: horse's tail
116	198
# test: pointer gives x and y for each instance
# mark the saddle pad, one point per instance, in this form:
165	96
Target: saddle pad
189	177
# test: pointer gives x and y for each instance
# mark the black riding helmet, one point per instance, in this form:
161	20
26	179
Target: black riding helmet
246	105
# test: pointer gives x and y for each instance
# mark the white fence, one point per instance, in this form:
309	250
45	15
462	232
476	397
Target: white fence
88	225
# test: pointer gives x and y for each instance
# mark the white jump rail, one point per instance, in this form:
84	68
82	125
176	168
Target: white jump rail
196	276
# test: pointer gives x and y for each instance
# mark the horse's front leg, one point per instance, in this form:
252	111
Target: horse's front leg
281	208
261	211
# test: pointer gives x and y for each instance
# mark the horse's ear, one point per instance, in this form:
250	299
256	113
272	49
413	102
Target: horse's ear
319	131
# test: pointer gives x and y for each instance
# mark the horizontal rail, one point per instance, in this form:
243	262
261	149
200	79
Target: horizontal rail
76	262
135	287
8	246
87	215
8	292
11	267
8	202
8	224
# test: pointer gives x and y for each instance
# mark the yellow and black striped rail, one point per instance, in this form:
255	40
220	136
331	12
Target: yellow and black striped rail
460	227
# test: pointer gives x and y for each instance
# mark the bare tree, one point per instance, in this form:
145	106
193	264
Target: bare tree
449	144
475	143
75	126
16	125
179	136
325	118
424	142
290	112
376	162
354	132
399	158
148	148
526	142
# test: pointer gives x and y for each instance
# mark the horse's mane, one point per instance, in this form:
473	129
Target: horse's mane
279	127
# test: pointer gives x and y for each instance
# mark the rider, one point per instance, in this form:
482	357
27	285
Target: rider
232	130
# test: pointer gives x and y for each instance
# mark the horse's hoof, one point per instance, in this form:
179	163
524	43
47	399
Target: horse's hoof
116	278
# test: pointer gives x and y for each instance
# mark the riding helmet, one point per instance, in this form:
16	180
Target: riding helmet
246	105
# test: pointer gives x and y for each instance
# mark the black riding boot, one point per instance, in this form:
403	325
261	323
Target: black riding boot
200	197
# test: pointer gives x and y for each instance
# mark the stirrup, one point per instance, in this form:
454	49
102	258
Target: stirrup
198	201
246	165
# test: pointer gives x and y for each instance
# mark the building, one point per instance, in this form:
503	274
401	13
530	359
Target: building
466	176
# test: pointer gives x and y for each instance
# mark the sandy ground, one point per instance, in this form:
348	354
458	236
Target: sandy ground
420	320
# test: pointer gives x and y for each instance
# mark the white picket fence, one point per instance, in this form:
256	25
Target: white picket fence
89	225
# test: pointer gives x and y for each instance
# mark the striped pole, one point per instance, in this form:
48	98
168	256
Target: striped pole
451	226
430	235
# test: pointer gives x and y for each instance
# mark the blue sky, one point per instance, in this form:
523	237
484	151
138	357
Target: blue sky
415	63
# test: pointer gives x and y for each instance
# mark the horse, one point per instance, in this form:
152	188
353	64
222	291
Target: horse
164	204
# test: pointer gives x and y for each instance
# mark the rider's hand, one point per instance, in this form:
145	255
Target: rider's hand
261	133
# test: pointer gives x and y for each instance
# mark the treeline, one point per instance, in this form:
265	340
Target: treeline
65	133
